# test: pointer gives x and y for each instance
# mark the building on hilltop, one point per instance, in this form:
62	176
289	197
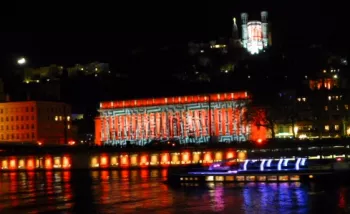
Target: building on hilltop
36	122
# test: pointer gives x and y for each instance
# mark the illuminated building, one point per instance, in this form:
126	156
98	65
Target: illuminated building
255	35
186	119
37	122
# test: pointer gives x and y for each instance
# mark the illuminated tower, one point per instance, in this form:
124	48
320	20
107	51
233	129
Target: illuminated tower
264	25
244	17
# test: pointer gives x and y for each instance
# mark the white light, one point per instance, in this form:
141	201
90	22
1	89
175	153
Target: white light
303	161
335	76
248	77
48	80
226	71
279	164
202	51
286	162
262	165
21	61
95	75
245	165
269	163
297	164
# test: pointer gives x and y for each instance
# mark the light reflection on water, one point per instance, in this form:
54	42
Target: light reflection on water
143	191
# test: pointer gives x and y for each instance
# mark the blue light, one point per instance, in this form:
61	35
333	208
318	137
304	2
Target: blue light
245	165
286	162
269	163
303	161
279	164
262	165
297	164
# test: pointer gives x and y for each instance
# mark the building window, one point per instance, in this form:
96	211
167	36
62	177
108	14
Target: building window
7	119
22	118
68	118
326	127
337	107
22	126
1	111
27	135
33	117
17	127
27	109
17	118
60	118
33	126
33	135
27	117
336	127
11	118
2	119
329	98
68	127
56	118
27	126
326	108
346	107
32	110
304	99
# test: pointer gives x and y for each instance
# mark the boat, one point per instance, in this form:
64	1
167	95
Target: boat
298	169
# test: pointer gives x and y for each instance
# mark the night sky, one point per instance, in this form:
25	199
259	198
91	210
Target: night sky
79	33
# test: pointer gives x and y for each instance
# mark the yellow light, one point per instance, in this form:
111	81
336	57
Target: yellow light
311	176
68	118
296	129
56	118
335	76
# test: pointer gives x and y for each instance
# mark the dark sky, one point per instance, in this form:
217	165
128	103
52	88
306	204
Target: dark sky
77	33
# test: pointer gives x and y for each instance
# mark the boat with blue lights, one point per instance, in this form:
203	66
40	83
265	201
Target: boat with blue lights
264	170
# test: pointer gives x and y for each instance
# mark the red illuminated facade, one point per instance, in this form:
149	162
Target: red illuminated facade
220	117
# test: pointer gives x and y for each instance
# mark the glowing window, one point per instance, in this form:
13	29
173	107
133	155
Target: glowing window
336	127
346	107
56	118
326	127
326	108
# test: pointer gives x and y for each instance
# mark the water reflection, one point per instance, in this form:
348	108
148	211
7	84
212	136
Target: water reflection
143	191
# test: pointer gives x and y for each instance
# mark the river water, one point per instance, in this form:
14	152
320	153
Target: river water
143	191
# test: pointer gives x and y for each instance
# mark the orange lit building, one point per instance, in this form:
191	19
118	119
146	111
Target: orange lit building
219	117
37	122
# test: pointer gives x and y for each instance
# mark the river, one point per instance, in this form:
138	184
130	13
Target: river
143	191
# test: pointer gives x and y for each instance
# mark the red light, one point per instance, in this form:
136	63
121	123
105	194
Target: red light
143	160
66	162
165	159
207	158
30	164
13	164
48	163
72	142
185	157
40	143
125	161
339	159
230	155
104	161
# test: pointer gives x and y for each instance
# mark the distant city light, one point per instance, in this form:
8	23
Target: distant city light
335	76
21	61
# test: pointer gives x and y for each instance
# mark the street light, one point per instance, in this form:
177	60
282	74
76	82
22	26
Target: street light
21	61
